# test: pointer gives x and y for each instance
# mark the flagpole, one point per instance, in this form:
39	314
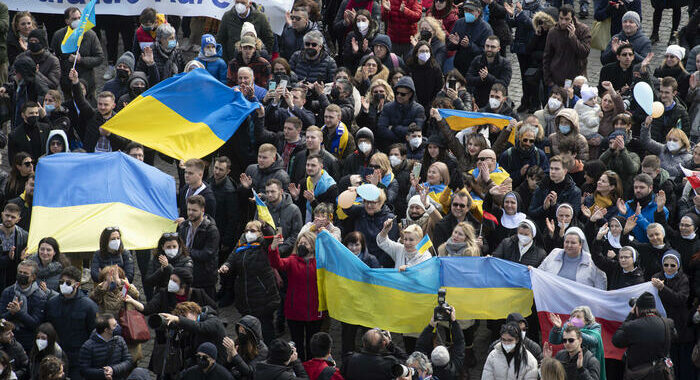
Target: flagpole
75	61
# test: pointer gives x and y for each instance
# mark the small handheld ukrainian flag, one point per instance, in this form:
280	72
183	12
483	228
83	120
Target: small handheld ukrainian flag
263	211
424	244
74	37
459	120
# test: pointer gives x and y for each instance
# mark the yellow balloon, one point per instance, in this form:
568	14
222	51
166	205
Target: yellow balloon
657	109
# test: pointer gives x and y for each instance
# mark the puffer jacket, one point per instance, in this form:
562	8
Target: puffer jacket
123	260
640	42
400	26
291	40
588	118
497	366
671	162
215	65
261	176
93	357
669	120
73	319
586	272
321	69
524	31
399	116
241	368
564	57
254	281
301	303
158	276
556	137
204	252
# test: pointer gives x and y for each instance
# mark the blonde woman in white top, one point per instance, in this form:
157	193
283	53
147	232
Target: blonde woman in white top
404	254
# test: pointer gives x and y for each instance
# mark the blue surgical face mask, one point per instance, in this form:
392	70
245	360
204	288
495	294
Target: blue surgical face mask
565	129
49	108
469	17
172	44
670	276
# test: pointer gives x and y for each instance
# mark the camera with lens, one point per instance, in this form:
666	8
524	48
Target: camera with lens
443	310
632	302
155	321
400	370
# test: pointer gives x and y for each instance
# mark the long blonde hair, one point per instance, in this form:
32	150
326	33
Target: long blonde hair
435	25
472	248
387	88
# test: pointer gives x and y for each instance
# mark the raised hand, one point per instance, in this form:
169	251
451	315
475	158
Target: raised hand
621	206
246	181
555	320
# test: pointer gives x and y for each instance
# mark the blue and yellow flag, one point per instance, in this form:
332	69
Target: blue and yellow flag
263	212
459	120
424	244
185	116
486	287
74	37
386	298
78	195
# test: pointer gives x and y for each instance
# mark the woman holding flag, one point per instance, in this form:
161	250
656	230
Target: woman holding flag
411	251
438	185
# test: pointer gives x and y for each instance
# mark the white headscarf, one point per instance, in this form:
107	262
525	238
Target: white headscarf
531	225
512	221
577	231
613	240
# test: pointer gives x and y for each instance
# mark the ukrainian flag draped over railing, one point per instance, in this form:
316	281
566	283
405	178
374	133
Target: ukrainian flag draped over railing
185	116
78	195
73	38
459	120
354	293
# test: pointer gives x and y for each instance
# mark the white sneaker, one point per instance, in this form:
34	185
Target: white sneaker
109	73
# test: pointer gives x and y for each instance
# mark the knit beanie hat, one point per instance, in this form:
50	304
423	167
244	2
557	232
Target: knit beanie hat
208	348
128	59
634	16
279	352
248	28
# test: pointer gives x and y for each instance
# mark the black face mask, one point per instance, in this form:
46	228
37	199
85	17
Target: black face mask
376	98
35	47
32	120
22	279
311	52
202	362
302	251
243	339
425	35
122	74
136	91
335	93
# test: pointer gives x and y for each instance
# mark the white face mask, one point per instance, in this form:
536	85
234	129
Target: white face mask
240	8
41	344
494	103
251	237
173	287
170	252
508	347
673	145
524	239
74	24
688	237
395	161
553	104
363	26
114	244
424	57
562	225
522	334
416	141
364	147
65	289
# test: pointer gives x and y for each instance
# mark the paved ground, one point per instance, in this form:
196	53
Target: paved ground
230	315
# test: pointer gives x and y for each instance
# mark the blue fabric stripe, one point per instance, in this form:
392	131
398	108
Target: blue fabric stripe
471	115
483	272
75	179
200	98
331	255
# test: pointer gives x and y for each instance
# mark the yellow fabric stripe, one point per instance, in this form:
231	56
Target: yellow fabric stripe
78	228
489	303
360	303
167	131
460	123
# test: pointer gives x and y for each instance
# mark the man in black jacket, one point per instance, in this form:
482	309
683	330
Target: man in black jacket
30	135
13	242
194	172
324	189
282	363
459	212
200	325
105	355
206	366
227	212
447	363
314	144
202	241
578	362
646	335
554	190
488	69
379	354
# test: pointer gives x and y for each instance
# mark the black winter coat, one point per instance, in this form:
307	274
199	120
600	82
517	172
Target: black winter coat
207	328
210	205
266	371
499	72
73	319
244	368
95	354
508	250
227	211
255	285
644	337
674	296
617	278
164	301
158	276
204	251
452	369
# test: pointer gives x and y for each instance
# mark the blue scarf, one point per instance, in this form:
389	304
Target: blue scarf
324	183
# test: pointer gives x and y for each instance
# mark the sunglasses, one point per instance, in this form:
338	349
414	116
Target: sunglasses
459	205
295	18
69	283
528	140
568	340
401	93
170	234
112	228
310	44
28	163
56	143
669	265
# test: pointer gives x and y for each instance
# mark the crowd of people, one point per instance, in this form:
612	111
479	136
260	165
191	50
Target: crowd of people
348	138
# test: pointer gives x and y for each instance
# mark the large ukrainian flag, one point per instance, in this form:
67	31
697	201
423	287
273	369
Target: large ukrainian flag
73	38
459	120
353	293
486	287
185	116
77	195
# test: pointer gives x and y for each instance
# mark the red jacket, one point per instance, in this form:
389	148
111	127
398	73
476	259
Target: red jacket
448	21
314	367
400	26
302	292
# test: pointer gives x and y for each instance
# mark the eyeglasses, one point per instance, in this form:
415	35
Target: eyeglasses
310	44
170	235
295	18
28	163
401	93
669	265
568	340
459	205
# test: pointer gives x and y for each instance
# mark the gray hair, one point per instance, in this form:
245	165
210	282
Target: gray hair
588	317
315	36
440	356
248	70
30	263
421	361
164	31
657	225
527	128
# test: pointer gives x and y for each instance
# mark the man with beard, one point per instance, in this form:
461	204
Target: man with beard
566	50
517	159
14	241
644	207
313	64
227	211
488	69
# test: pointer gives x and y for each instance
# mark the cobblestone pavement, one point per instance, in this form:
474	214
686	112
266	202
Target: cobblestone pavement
482	338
